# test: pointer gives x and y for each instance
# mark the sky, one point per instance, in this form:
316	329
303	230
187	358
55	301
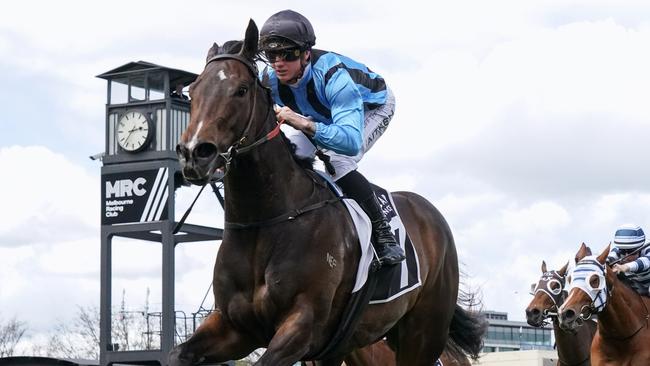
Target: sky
524	122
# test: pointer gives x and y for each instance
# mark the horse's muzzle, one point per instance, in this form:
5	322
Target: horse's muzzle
176	357
200	162
534	317
569	319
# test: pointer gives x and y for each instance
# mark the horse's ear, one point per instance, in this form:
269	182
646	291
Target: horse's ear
562	271
603	256
212	52
543	266
249	51
582	252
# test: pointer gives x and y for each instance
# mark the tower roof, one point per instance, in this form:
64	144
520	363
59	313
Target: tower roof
176	76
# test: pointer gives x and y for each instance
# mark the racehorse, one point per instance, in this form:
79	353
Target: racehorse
623	335
287	263
573	348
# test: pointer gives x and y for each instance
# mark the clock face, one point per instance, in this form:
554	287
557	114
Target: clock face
133	131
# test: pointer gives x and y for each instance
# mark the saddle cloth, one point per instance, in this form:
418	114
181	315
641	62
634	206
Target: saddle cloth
396	280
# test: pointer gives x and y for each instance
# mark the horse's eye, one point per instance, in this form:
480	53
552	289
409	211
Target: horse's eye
242	91
555	287
595	282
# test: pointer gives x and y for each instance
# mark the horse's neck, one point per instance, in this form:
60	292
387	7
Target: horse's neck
264	183
572	348
624	314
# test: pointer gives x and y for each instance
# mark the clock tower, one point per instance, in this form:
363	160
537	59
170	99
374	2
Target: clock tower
146	113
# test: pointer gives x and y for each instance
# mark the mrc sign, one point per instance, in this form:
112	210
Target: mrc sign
133	197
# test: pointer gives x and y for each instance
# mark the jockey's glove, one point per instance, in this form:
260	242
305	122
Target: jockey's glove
622	268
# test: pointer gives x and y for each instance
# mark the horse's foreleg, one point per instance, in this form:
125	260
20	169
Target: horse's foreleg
215	340
291	341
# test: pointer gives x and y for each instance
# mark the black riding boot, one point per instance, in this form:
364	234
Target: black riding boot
357	187
388	251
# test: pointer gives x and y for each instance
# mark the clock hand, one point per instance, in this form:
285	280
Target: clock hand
131	132
129	135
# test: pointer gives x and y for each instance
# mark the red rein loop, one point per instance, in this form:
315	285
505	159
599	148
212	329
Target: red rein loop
275	131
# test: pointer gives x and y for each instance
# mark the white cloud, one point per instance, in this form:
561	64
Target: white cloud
43	193
523	122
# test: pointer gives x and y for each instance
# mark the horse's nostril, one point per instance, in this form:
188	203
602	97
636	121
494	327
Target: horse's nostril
569	314
205	150
181	151
535	311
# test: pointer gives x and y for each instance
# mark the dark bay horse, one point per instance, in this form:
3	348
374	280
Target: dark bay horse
286	266
623	336
573	348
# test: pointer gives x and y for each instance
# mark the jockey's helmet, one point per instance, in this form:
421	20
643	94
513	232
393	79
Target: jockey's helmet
287	29
629	237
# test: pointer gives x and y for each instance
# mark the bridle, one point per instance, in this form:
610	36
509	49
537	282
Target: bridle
589	266
598	303
555	294
236	148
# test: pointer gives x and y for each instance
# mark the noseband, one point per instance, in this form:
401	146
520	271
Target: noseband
236	148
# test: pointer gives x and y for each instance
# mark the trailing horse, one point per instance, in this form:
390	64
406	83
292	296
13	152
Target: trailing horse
573	348
287	264
623	334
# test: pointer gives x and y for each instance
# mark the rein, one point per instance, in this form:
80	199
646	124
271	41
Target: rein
635	251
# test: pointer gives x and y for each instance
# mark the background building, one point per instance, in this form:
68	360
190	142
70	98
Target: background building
518	358
507	335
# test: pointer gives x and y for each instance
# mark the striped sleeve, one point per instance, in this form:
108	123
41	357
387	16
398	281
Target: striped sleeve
642	264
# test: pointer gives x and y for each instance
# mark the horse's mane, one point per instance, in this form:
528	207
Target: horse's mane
305	163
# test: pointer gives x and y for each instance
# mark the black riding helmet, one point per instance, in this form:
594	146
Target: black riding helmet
286	29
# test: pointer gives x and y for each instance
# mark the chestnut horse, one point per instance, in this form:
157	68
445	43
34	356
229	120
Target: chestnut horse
287	264
623	335
573	348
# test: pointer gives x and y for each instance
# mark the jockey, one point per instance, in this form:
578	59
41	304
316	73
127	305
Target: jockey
628	239
338	104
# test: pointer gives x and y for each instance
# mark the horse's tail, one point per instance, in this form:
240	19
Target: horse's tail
467	328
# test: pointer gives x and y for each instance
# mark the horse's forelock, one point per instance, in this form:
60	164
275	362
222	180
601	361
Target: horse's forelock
231	47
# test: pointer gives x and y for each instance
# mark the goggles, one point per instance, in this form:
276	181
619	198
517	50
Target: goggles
291	54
